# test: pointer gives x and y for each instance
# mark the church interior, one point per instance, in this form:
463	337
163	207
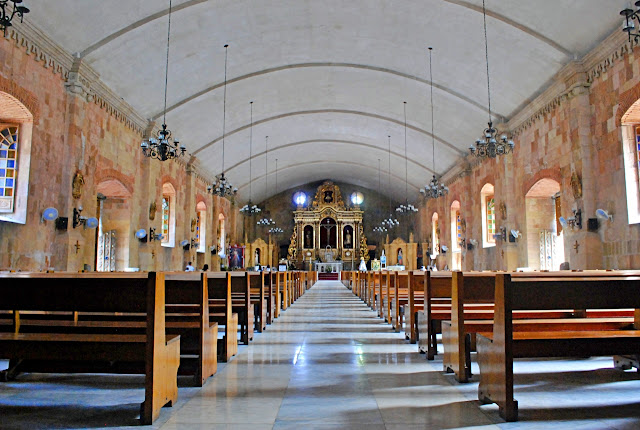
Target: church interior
319	214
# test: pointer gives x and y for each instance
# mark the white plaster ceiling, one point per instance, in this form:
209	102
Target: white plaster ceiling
328	78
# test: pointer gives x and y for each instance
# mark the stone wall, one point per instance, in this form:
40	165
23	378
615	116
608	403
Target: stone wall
572	134
77	130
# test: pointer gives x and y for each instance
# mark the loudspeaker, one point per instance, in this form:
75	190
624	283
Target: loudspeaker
62	223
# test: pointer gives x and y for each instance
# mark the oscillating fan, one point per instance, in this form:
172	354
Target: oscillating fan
563	222
50	214
515	233
141	234
604	215
91	222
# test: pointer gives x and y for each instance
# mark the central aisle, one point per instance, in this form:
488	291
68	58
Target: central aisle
328	362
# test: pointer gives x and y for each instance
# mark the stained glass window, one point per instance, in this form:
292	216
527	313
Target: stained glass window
166	213
8	167
491	219
458	230
198	226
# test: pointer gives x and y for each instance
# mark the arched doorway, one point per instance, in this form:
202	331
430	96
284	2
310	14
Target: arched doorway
544	236
114	227
328	233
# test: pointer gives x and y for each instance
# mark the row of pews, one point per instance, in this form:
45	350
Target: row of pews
504	316
160	324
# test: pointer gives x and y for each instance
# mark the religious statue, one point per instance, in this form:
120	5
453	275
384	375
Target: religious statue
347	239
308	239
363	265
152	210
78	183
399	257
383	259
256	257
576	185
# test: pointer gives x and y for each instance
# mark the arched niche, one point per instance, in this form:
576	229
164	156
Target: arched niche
347	237
168	215
16	128
456	236
435	235
114	226
308	237
328	233
543	233
488	208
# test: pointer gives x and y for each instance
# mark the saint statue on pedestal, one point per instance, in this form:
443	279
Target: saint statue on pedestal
399	257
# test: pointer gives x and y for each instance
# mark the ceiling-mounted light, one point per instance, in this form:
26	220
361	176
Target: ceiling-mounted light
434	189
6	17
406	207
490	145
250	209
162	147
391	221
222	187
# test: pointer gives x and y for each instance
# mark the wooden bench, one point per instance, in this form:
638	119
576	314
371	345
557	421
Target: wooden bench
221	312
187	314
259	295
496	351
241	294
472	289
136	293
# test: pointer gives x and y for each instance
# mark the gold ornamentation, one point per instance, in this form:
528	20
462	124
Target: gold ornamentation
78	183
293	246
328	194
193	225
152	210
364	249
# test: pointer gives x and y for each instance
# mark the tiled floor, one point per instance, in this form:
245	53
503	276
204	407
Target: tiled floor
329	363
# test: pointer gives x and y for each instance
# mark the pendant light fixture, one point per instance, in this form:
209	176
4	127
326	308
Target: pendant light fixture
490	145
6	17
222	187
433	190
264	221
407	207
162	147
250	209
379	228
391	221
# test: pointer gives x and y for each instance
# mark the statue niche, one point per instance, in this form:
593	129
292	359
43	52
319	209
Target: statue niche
308	237
328	233
347	242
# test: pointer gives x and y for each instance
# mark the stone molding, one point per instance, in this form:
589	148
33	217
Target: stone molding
80	79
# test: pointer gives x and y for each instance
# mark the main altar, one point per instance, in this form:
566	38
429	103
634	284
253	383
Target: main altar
328	232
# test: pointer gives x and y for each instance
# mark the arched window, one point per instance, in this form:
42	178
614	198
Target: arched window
631	159
168	215
488	204
201	226
456	227
16	125
435	235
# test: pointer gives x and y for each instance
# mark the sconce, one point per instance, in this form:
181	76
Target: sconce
185	244
153	236
472	244
444	249
574	221
501	235
79	219
142	235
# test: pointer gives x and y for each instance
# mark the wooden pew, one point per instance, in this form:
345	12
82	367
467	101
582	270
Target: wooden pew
468	289
187	314
415	304
241	294
221	311
497	350
257	281
139	293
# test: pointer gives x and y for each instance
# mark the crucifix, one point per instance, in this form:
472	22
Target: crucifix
77	245
576	246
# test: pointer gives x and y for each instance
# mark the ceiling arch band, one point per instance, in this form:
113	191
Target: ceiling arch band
340	111
350	142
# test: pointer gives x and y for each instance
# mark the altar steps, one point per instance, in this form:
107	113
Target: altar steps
328	276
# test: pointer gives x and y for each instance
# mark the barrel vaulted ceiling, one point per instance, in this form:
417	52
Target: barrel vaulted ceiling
328	78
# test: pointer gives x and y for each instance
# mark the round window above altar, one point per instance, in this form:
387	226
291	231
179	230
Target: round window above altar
300	198
357	198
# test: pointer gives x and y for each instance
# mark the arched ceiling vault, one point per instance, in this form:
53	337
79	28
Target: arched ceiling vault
328	78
